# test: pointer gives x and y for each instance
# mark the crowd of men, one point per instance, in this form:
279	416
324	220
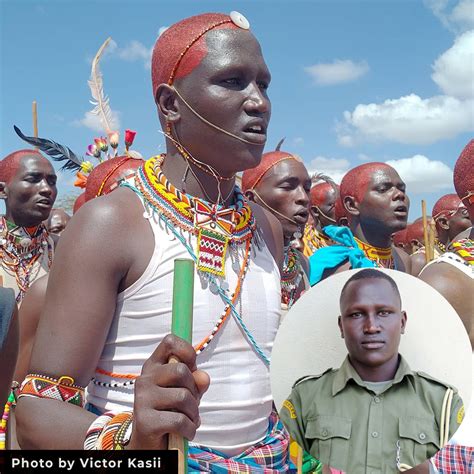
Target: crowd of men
90	306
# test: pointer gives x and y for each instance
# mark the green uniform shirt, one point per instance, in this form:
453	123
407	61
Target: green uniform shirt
340	421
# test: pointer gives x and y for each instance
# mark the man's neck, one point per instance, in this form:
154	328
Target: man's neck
188	178
380	237
380	373
18	221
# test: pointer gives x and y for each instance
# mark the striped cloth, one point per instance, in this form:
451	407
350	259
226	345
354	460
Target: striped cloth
269	456
455	459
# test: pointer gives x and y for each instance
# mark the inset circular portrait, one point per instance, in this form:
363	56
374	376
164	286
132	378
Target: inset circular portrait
371	371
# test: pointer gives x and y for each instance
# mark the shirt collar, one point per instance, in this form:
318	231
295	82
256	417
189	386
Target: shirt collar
347	372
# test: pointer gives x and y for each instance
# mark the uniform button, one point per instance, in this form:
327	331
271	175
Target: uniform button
422	436
374	434
376	399
325	432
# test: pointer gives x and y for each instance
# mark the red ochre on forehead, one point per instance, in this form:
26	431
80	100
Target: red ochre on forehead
10	164
103	176
182	47
445	204
252	177
319	193
356	180
464	173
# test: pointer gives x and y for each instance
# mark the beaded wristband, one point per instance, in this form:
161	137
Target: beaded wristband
62	389
110	431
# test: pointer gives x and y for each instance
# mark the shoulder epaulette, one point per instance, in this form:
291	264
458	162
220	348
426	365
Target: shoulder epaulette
311	377
432	379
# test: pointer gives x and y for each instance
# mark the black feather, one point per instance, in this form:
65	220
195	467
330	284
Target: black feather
280	143
56	151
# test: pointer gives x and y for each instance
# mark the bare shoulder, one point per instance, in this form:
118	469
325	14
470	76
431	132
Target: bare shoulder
403	259
418	261
272	231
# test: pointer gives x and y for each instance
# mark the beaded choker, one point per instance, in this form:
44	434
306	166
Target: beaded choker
291	276
383	257
20	249
215	226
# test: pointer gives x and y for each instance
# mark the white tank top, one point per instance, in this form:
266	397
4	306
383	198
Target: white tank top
234	411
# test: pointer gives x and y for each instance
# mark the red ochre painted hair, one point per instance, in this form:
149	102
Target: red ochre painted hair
80	200
446	204
319	192
464	174
252	177
415	232
182	47
400	237
356	181
103	176
10	164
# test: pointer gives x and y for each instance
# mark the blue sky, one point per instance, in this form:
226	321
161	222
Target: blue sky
353	81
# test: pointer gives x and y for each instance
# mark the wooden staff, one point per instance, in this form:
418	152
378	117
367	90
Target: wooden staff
35	119
299	460
432	238
425	230
182	326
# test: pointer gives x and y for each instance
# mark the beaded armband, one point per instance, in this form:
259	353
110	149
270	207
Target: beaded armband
110	431
62	389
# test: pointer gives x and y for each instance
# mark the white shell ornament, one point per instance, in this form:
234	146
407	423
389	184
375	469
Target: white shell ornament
239	20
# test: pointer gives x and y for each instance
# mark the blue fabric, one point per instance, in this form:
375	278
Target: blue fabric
334	255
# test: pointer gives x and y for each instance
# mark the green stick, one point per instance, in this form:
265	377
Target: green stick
182	326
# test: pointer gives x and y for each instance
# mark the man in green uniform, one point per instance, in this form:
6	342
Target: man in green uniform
373	415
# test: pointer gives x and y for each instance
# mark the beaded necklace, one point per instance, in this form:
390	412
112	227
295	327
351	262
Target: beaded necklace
440	245
382	257
20	249
465	249
291	276
182	212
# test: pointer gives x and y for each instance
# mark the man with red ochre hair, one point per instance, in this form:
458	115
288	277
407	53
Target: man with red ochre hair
399	239
451	218
452	274
28	187
340	213
376	205
323	197
210	87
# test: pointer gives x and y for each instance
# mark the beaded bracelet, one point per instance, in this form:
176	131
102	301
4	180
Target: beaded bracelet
62	389
110	431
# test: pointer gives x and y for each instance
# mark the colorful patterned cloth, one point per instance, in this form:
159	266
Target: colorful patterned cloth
313	240
454	459
334	255
269	456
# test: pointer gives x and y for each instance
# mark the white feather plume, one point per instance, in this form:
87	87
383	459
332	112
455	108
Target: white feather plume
101	101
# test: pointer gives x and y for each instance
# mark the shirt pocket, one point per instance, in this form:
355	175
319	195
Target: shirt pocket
419	440
329	438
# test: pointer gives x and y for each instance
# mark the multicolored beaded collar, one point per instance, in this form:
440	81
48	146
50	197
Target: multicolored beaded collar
20	249
382	257
465	249
215	226
290	277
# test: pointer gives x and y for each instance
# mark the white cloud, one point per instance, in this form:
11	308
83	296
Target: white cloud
409	119
337	72
423	175
298	141
136	51
458	18
453	71
93	122
335	168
